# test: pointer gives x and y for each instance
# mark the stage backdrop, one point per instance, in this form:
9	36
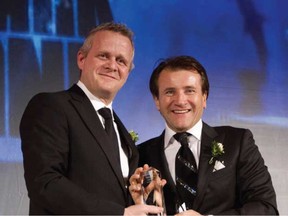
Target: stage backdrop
243	44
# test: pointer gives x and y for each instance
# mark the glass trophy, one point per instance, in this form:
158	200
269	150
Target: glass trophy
152	189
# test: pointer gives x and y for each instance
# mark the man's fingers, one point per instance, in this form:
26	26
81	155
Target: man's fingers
153	209
135	187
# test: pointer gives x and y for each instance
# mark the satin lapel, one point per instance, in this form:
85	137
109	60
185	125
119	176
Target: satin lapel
205	169
90	118
159	161
164	165
126	140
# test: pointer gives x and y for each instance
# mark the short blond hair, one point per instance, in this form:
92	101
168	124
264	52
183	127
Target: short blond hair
109	26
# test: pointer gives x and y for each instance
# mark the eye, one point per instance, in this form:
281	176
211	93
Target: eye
102	56
169	92
190	91
121	61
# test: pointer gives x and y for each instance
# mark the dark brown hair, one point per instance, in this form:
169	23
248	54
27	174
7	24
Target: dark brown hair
178	63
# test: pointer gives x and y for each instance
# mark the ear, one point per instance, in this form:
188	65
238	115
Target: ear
204	98
80	60
157	103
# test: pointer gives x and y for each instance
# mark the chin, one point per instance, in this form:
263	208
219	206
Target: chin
181	129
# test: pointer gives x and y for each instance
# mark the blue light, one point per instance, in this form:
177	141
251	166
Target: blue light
37	41
9	146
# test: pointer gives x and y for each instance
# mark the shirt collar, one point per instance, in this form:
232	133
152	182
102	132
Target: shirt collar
195	131
96	102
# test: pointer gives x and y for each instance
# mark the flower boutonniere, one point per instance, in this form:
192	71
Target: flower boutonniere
217	149
134	136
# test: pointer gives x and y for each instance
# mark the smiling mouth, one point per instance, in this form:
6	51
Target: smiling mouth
181	111
108	75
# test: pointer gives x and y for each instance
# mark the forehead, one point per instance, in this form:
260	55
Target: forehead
179	76
112	38
112	43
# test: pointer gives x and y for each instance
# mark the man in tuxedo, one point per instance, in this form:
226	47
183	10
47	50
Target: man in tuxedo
71	164
229	174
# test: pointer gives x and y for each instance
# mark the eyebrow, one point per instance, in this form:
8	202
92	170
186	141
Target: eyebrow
122	57
169	88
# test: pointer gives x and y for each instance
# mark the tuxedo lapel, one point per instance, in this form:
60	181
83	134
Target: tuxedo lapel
154	155
90	118
158	160
165	167
125	136
129	144
205	169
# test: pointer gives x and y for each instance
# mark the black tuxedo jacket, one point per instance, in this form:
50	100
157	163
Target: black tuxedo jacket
69	167
243	187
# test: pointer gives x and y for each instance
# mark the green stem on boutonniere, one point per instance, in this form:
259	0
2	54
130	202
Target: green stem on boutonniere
211	160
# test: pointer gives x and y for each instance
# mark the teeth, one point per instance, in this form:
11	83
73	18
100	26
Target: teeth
180	111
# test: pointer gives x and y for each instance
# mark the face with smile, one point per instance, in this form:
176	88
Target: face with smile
180	101
106	67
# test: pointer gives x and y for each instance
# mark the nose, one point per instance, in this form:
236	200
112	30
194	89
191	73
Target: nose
111	64
180	98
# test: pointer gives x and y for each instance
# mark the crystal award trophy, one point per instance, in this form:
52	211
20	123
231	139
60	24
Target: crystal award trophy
152	189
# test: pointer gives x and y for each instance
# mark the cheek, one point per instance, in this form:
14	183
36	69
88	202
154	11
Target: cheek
123	74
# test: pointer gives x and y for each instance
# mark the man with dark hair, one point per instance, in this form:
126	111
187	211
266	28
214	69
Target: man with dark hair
209	170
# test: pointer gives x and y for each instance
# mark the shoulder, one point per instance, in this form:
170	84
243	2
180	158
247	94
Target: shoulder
48	96
53	98
151	150
46	102
148	143
152	143
237	141
230	136
232	131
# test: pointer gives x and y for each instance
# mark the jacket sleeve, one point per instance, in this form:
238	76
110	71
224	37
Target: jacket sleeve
255	192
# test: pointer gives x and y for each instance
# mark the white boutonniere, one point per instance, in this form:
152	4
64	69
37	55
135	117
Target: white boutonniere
217	149
134	136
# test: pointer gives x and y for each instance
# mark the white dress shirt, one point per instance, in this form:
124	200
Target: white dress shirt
171	146
98	104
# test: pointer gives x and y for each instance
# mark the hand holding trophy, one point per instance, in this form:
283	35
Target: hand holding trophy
146	187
